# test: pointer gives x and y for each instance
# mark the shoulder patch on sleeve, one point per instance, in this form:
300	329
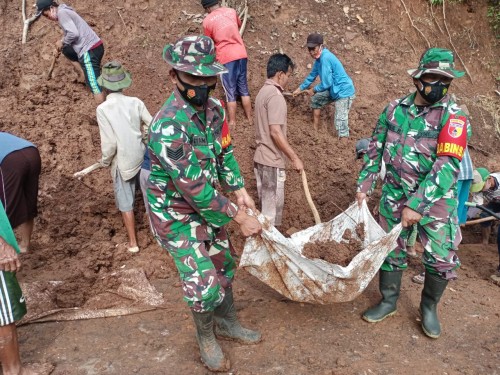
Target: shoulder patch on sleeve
452	139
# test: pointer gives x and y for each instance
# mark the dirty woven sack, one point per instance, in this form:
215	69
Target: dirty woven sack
278	261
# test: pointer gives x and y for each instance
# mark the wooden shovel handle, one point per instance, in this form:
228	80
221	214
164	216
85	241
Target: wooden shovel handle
309	199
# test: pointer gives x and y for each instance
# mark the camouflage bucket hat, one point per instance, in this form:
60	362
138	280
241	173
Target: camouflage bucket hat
437	61
114	77
194	55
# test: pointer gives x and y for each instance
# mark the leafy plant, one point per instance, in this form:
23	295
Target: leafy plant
493	14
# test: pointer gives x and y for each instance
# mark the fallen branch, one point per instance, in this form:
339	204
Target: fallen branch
413	48
54	59
451	42
26	22
244	22
415	27
434	18
123	21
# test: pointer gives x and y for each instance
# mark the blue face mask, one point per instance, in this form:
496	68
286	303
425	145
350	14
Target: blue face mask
433	92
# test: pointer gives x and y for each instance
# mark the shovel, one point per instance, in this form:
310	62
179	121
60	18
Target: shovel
87	170
309	199
482	208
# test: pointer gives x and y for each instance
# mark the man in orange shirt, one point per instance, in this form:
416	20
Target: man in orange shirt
222	25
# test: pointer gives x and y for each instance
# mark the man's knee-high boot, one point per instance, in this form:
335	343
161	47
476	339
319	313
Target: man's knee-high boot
210	350
227	324
389	284
434	287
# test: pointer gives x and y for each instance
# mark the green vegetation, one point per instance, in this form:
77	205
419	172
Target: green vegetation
494	17
440	2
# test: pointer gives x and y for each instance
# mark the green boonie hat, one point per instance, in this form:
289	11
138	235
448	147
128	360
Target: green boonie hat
114	77
194	55
480	175
437	61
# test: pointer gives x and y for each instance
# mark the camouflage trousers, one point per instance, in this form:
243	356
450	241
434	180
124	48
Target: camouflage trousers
206	268
440	240
341	118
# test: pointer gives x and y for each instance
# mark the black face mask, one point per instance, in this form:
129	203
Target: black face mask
433	92
195	95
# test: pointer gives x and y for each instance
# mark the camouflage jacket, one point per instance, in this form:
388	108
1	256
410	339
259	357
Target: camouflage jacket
189	156
406	139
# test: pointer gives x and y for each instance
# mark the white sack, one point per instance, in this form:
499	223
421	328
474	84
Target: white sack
278	261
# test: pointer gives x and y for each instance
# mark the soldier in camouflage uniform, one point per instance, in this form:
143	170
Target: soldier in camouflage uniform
190	149
421	138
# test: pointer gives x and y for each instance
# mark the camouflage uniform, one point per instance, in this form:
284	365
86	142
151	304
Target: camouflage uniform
406	139
189	155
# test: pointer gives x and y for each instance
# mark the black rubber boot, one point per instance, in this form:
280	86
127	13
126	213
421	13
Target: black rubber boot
434	287
211	353
389	284
227	324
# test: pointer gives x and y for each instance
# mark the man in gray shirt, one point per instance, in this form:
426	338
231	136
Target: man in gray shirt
80	43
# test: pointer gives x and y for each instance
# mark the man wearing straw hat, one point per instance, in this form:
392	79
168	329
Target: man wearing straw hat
122	140
190	149
421	138
486	189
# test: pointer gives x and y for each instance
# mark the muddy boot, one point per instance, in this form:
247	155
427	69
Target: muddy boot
227	324
211	353
434	287
389	284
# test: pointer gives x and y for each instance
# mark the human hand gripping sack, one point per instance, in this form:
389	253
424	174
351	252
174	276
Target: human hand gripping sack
409	217
243	199
249	225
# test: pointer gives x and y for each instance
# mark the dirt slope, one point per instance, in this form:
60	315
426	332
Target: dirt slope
79	226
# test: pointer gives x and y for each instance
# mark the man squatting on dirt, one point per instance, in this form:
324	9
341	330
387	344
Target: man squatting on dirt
80	43
272	145
222	24
20	167
335	86
421	138
12	303
486	188
190	150
122	140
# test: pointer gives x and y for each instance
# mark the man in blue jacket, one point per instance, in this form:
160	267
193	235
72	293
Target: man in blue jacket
335	86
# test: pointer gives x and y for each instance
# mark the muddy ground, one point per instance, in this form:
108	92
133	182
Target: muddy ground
79	227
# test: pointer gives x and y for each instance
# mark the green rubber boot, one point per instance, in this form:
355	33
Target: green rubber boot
211	353
434	287
389	285
227	324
